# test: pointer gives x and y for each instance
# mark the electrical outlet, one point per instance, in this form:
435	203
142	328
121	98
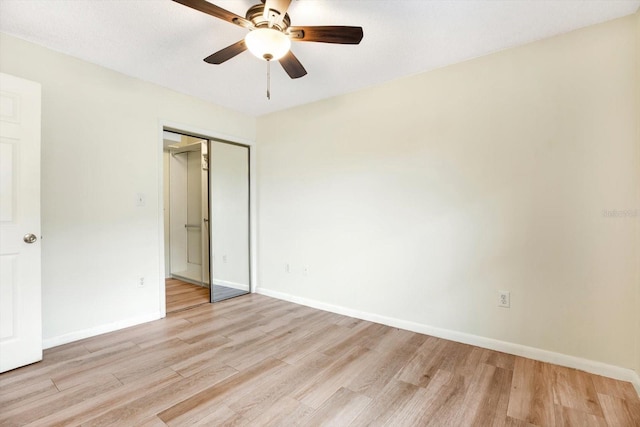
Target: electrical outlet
224	259
287	268
504	299
305	270
141	283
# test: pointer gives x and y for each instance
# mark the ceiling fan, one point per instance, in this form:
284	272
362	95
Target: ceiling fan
271	33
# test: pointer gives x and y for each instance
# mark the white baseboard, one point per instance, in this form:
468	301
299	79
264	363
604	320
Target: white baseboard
196	282
98	330
233	285
587	365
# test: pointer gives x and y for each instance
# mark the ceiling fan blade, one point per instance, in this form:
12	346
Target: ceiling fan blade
327	34
292	66
218	12
227	53
275	10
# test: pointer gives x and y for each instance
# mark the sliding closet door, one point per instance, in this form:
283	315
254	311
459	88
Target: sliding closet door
229	219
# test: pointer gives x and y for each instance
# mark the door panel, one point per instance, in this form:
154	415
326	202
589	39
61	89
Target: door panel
20	276
229	190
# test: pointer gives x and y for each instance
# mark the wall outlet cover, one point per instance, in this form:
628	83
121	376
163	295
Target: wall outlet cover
504	299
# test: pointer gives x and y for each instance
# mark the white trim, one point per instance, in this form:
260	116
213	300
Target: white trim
587	365
253	219
204	133
98	330
233	285
190	280
162	292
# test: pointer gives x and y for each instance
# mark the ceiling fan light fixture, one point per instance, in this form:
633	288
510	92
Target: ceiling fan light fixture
267	43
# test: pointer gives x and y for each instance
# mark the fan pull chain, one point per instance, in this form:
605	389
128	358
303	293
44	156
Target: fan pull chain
269	80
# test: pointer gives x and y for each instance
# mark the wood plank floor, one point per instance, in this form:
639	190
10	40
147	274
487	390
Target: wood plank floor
258	361
181	295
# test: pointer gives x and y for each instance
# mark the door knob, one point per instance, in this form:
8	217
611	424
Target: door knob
29	238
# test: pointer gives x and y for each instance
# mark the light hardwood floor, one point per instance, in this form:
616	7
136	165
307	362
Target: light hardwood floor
182	295
257	361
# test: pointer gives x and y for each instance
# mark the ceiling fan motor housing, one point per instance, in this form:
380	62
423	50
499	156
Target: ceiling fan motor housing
255	14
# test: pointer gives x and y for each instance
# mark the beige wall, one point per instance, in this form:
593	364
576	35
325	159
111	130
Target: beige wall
100	147
421	198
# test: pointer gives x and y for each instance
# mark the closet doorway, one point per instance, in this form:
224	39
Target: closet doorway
206	220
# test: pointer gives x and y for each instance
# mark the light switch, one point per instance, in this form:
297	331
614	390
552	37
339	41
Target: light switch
141	199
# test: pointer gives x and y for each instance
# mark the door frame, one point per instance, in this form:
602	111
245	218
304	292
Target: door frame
205	134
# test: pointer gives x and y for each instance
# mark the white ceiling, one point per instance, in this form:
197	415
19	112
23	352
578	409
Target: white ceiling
164	42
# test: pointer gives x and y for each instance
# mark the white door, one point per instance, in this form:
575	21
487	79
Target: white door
20	299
